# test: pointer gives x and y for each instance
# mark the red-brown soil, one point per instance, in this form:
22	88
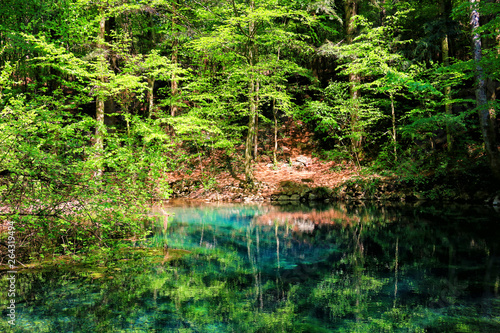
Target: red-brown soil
296	142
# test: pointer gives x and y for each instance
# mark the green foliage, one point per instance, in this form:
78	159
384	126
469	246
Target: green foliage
332	117
50	189
48	185
229	62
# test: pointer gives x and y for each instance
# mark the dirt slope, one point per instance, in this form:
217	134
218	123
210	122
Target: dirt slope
295	164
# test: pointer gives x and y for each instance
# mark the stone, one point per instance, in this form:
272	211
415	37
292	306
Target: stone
304	160
300	162
283	198
325	192
304	192
295	197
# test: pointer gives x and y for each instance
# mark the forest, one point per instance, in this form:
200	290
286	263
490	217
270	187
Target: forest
101	100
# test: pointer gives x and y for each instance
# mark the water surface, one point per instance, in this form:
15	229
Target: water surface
262	268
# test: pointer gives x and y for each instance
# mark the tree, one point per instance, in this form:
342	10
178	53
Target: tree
66	172
372	55
487	116
444	12
244	37
351	10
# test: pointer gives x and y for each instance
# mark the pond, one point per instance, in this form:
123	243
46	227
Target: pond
262	268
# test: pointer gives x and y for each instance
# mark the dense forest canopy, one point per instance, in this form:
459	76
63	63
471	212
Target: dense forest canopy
100	99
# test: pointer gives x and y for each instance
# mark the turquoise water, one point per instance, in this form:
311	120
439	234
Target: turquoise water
262	268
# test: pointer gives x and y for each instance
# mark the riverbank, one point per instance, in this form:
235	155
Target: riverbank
305	178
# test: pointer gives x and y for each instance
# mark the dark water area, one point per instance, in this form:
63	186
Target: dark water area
263	268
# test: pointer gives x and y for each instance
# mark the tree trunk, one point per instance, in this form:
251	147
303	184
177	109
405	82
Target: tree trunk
351	10
100	101
151	84
275	160
444	12
447	92
250	135
394	137
275	115
383	13
256	131
252	98
173	80
486	117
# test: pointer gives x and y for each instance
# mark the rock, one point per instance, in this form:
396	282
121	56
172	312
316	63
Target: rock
323	192
295	197
283	198
303	160
392	196
290	188
304	192
312	196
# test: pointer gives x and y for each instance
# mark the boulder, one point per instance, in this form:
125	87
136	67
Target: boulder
322	192
301	162
283	198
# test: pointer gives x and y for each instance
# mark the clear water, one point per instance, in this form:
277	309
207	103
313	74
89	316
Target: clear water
261	268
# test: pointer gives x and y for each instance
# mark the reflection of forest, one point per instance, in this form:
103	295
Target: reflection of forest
306	221
350	268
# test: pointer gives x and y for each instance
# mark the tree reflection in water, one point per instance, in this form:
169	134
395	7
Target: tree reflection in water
259	268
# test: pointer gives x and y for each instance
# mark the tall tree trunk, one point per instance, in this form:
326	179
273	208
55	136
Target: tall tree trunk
175	52
256	131
252	97
486	116
151	80
493	83
275	116
151	84
100	100
275	159
383	13
351	10
394	137
444	12
251	132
